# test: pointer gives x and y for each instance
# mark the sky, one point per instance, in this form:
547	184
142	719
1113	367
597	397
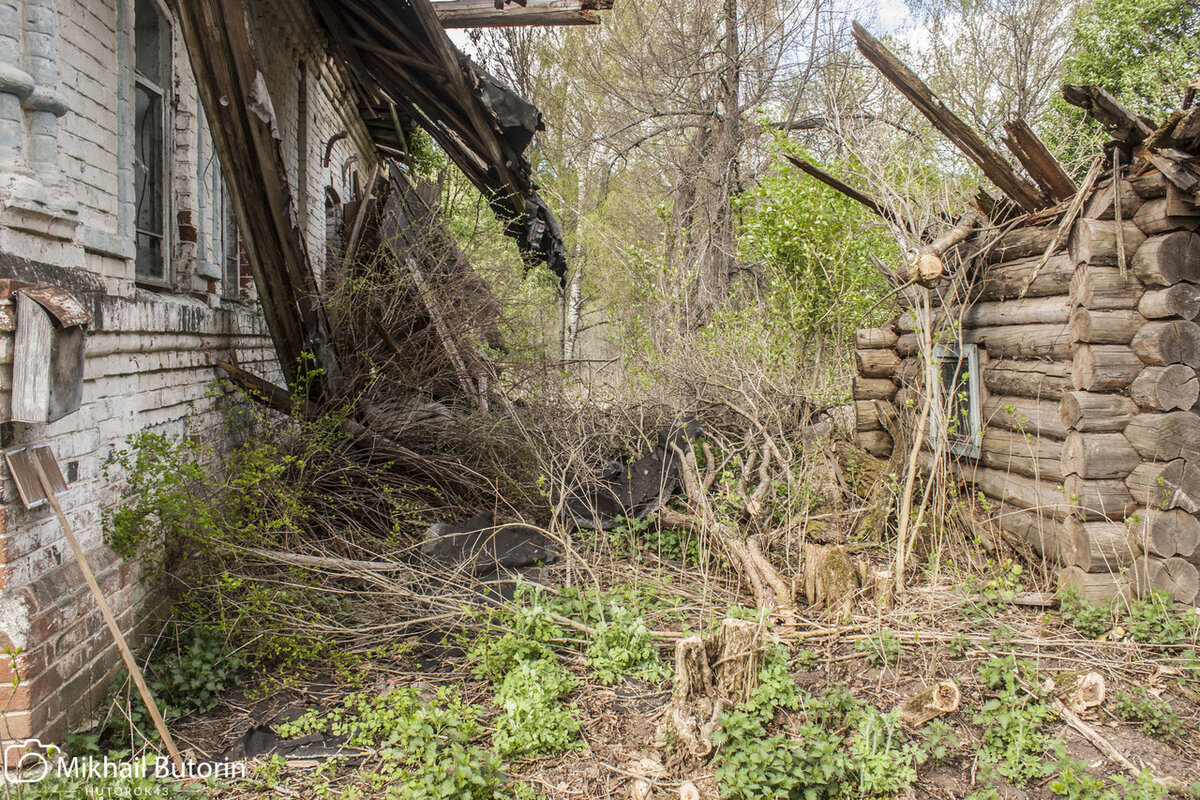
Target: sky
892	14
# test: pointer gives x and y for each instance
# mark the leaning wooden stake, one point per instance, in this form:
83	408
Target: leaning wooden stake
126	653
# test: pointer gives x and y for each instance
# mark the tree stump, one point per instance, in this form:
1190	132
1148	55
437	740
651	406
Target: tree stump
933	701
711	673
831	579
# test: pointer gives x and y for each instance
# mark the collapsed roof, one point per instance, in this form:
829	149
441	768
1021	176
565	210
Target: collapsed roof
407	71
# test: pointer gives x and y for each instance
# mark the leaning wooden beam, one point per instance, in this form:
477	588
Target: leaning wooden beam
854	194
484	14
1037	160
224	56
999	171
1121	123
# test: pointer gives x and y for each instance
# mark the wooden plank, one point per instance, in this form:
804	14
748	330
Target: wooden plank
31	362
224	56
998	170
484	14
1037	160
1119	121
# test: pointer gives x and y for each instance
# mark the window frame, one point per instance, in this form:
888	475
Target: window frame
166	44
969	444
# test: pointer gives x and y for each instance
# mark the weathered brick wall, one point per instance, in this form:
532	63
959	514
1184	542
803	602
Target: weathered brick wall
150	354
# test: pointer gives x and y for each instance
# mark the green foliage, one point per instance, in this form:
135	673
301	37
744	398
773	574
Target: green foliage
1073	783
427	748
1143	51
186	679
623	647
191	510
1153	619
885	762
669	543
517	655
1152	715
1012	742
883	648
776	688
819	761
522	635
534	721
169	490
999	589
814	246
1090	620
940	740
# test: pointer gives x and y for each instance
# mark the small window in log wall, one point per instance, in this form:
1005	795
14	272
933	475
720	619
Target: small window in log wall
957	414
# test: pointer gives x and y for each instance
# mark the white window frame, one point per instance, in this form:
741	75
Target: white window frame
168	64
970	442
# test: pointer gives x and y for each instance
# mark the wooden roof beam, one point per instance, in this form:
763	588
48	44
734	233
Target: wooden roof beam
1121	123
536	13
1037	160
849	191
993	165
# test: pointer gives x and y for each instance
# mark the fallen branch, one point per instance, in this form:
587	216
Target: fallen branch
1171	784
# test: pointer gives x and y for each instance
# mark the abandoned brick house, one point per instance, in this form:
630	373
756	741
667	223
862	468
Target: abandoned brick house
172	185
1056	332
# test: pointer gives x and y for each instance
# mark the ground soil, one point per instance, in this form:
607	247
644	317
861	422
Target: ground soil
945	635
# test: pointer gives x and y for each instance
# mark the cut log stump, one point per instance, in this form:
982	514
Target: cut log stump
931	702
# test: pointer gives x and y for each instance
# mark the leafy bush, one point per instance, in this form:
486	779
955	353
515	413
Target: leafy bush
534	721
522	635
1012	742
875	760
1073	783
427	748
814	248
1090	620
623	647
188	679
1152	715
518	657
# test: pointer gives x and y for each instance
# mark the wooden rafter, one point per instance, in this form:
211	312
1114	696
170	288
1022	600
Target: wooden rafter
1121	123
993	165
484	14
1037	160
865	200
224	56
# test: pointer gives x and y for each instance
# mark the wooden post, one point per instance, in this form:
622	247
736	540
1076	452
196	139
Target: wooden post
126	654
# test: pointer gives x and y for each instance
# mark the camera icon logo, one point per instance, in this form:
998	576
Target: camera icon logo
27	761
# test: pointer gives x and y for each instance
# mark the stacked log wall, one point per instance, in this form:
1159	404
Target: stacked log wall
1089	389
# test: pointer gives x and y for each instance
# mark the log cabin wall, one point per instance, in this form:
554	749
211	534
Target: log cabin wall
1090	448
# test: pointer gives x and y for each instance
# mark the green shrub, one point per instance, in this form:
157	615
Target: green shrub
1090	620
187	679
427	749
534	720
623	647
1153	716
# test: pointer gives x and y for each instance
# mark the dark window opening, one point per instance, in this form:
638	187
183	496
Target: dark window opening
150	169
957	414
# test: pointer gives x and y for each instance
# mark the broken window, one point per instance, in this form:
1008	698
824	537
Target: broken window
152	70
957	414
219	250
234	274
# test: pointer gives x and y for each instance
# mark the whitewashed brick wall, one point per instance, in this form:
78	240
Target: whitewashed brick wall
150	354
